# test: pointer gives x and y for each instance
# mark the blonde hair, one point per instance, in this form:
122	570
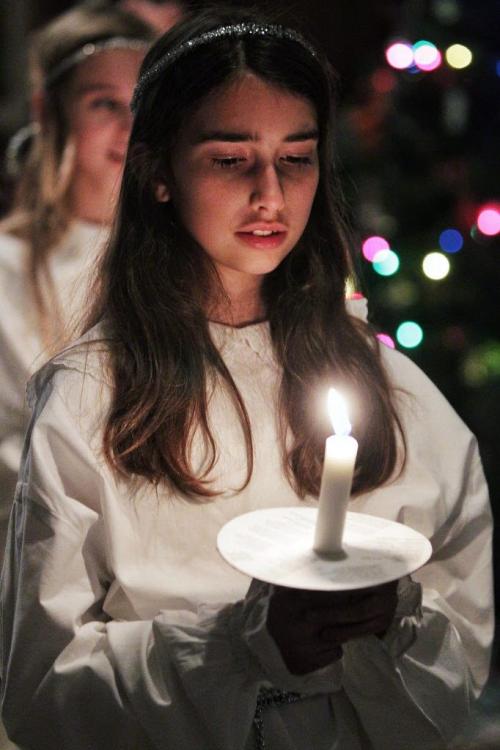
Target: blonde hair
40	213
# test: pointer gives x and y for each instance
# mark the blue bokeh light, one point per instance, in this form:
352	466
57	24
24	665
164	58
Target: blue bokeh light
451	241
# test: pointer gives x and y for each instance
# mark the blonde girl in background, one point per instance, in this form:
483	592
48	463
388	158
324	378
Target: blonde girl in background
84	66
191	398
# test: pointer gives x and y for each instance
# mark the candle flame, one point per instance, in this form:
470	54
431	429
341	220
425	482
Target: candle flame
337	409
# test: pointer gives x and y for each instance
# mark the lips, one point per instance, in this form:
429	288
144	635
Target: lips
263	227
263	236
264	241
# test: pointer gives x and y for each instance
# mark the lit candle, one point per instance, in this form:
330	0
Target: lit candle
336	481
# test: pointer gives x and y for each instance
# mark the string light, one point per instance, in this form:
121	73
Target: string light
436	266
488	220
372	245
448	11
401	293
383	81
426	55
451	241
384	338
386	263
399	55
409	334
458	56
482	364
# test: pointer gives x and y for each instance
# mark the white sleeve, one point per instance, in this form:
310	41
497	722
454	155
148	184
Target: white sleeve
431	666
18	348
14	416
73	678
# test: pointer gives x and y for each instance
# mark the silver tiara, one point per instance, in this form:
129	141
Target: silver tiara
234	30
92	48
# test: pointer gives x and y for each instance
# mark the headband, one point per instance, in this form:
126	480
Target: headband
236	30
92	48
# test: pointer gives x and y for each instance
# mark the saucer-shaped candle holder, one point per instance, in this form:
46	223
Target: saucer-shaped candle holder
324	548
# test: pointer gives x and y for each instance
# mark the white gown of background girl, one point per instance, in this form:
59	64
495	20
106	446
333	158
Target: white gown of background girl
124	628
21	349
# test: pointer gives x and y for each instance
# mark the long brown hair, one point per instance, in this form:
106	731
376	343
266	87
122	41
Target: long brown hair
40	213
156	283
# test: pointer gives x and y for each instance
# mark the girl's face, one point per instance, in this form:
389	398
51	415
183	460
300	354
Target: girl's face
243	177
99	127
160	16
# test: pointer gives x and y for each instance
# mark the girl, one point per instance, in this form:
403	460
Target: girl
84	66
159	14
220	314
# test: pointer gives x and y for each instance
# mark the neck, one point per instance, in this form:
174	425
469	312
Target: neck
240	305
90	204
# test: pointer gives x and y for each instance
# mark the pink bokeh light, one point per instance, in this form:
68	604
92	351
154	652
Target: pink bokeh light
387	340
373	245
426	55
432	64
399	55
488	220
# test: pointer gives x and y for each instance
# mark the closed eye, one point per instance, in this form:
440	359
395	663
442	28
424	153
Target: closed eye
298	160
226	162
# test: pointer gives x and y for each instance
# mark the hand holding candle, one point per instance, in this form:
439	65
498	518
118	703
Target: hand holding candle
336	481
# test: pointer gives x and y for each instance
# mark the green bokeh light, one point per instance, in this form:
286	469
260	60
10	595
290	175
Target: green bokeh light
482	364
386	263
409	334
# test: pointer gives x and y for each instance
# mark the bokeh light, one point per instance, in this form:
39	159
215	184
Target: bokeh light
401	293
399	55
488	220
458	56
448	11
387	340
436	266
451	240
386	262
409	334
426	55
372	245
383	81
482	364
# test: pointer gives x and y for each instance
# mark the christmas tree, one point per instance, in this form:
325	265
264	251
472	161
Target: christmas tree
418	145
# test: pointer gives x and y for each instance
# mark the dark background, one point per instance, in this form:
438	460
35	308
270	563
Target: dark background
419	153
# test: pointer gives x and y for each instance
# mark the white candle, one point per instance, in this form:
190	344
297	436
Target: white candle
336	480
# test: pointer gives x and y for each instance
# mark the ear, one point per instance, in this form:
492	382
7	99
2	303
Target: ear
162	193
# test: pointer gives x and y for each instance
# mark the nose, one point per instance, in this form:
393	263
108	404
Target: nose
267	194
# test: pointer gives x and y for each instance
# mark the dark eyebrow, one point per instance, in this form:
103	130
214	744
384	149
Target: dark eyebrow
230	137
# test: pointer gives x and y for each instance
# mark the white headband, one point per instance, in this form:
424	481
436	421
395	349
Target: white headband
236	30
90	49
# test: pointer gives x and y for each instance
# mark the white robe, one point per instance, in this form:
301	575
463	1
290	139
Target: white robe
21	349
123	628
